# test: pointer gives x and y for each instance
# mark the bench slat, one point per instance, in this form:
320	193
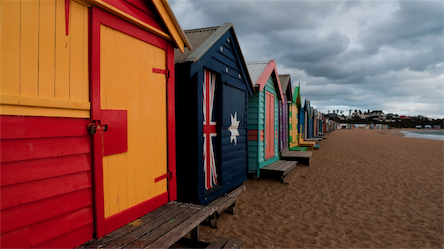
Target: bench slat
131	227
233	243
161	230
148	227
218	243
182	229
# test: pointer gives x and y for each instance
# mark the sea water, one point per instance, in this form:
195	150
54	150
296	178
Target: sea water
428	134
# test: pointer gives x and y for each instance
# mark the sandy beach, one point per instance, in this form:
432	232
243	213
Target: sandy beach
364	188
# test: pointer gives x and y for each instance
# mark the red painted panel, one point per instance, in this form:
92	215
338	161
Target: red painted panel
128	28
171	119
46	230
19	194
269	125
20	238
27	214
15	127
115	139
26	171
71	239
29	149
140	13
252	135
118	220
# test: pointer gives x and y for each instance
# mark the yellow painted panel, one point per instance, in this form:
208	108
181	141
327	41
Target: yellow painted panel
85	95
43	102
77	25
10	47
46	48
62	54
29	50
42	111
127	83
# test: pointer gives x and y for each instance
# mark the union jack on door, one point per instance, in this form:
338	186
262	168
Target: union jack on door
209	129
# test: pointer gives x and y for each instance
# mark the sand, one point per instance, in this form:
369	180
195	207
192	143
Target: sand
364	188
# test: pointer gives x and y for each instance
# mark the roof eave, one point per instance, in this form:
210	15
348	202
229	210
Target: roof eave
173	26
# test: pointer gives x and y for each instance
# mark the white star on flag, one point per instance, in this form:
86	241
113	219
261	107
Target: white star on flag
234	128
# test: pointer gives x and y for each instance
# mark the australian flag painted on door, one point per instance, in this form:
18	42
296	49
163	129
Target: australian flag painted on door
212	92
209	129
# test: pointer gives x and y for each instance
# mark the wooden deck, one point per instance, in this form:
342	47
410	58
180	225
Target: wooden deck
313	139
159	229
299	156
278	169
221	242
225	203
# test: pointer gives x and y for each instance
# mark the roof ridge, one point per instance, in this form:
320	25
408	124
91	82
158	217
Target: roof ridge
201	29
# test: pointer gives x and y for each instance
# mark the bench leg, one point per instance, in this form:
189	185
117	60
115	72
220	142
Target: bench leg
195	234
213	220
232	209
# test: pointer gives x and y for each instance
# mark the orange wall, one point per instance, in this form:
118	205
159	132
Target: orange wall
44	72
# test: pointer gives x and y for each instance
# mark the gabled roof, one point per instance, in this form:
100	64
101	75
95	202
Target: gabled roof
260	71
297	96
286	85
196	37
203	39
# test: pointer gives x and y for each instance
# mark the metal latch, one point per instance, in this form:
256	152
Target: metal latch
96	127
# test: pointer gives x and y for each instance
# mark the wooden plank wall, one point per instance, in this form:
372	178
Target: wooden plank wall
46	182
44	72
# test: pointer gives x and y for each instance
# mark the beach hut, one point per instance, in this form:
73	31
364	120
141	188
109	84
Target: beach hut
283	111
87	117
293	134
303	128
263	115
213	86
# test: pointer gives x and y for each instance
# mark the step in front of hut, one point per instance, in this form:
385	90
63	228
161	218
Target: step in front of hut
160	228
225	203
299	156
278	169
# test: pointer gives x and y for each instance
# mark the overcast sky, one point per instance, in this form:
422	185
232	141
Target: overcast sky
377	55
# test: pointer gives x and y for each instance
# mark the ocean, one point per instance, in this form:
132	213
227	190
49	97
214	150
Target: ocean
426	134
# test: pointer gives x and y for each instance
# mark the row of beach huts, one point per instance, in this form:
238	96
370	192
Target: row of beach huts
110	111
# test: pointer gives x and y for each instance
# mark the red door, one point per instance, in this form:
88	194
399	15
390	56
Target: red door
269	125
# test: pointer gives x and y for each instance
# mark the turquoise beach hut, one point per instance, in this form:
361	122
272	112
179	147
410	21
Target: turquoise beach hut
263	115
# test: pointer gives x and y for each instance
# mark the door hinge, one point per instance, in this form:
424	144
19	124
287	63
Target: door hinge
162	71
96	127
168	176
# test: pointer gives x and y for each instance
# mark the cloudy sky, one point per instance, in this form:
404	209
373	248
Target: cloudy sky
377	55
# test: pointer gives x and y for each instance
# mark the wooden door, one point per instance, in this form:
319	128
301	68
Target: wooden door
130	107
269	125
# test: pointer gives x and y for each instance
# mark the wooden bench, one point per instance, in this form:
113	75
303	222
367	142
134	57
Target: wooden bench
299	156
221	242
225	203
160	228
278	169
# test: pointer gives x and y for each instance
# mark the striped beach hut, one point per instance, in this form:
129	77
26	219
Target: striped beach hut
213	86
294	121
263	115
284	111
87	117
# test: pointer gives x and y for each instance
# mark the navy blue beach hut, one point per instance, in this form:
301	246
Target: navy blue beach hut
212	91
